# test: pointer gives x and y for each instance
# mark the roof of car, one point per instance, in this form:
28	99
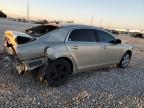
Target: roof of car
59	35
66	25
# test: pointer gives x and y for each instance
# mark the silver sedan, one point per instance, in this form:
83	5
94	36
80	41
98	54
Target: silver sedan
57	51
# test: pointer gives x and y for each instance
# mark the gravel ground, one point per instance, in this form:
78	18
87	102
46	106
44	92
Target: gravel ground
106	88
109	88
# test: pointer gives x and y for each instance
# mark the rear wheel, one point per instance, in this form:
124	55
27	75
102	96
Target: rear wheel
58	72
125	60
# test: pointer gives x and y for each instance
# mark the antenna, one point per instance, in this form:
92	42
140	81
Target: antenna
27	10
92	20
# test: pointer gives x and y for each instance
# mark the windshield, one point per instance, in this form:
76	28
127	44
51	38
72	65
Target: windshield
40	30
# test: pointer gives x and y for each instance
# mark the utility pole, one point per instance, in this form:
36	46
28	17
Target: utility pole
27	10
92	20
101	21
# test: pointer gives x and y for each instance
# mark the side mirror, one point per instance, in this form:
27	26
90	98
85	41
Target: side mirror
118	41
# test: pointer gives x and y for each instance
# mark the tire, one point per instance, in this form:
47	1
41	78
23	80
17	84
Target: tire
58	72
125	60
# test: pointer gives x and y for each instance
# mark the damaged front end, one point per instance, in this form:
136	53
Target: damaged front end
29	65
27	49
12	40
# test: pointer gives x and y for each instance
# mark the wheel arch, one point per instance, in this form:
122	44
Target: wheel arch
129	51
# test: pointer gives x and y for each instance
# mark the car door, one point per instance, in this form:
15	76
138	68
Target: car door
110	53
81	43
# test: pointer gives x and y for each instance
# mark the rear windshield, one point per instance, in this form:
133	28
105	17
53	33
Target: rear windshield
40	30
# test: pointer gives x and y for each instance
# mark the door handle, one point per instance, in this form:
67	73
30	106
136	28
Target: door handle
74	47
105	47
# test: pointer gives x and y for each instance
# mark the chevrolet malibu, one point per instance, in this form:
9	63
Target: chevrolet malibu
58	51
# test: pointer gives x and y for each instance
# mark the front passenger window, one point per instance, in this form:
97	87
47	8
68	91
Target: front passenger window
104	37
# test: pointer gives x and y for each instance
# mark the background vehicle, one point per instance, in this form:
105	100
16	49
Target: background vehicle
137	35
58	51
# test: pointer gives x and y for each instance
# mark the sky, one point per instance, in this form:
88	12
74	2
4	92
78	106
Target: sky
127	14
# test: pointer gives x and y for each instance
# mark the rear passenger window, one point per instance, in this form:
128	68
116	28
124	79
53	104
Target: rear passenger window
82	35
104	37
